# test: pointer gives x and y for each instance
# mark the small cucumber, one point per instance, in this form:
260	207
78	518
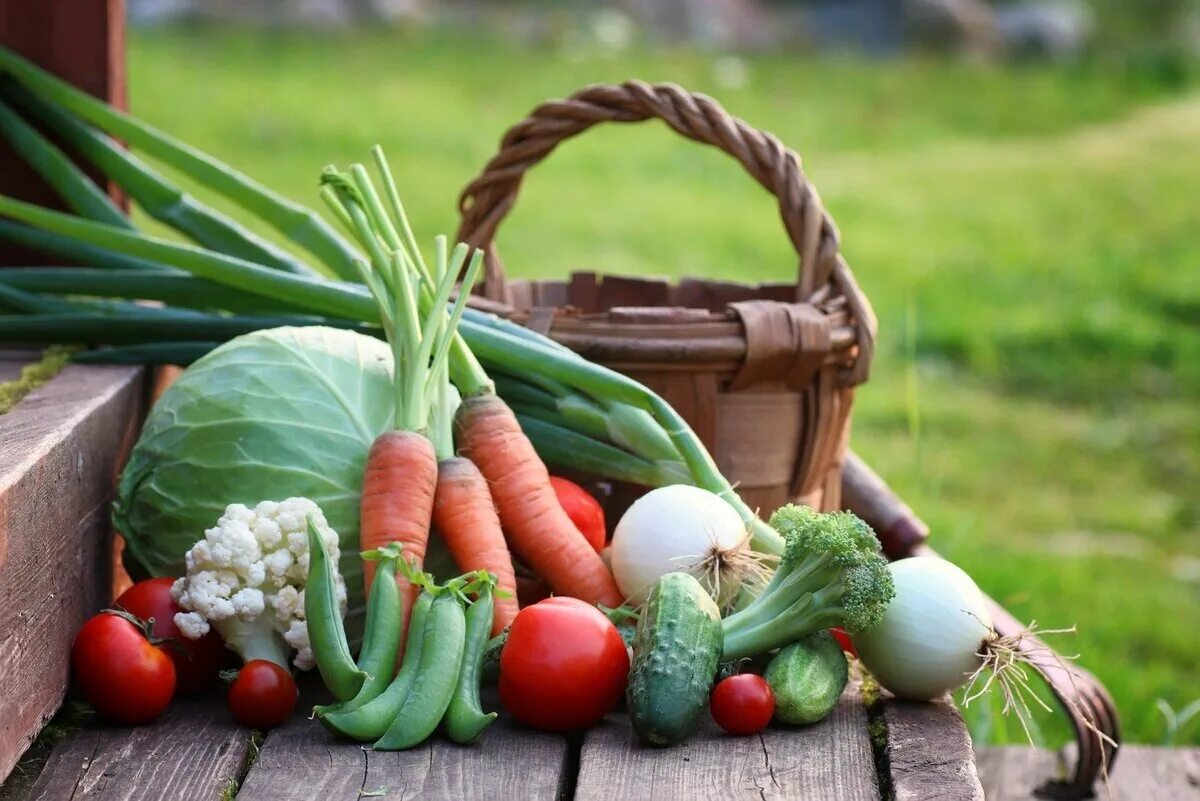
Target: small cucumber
807	678
675	653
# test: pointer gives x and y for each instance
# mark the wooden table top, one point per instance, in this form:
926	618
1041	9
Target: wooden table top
197	751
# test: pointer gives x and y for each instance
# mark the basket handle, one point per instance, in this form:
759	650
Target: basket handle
1085	700
487	199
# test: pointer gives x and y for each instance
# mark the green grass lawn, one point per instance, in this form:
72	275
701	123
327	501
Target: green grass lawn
1030	239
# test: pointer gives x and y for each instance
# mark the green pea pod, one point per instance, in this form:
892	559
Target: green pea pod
377	659
324	616
437	676
369	721
465	719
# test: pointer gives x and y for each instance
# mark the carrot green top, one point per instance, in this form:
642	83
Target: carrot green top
397	275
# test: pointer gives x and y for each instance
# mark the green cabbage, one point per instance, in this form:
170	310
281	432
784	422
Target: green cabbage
270	415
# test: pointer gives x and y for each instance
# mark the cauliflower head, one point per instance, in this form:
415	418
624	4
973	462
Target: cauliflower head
246	579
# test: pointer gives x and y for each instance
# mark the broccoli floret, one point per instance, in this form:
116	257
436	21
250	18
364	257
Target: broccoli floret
831	574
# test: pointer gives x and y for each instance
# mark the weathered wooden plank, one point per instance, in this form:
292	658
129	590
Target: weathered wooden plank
195	751
1141	773
303	762
1148	773
300	760
509	761
929	754
831	760
1010	773
60	450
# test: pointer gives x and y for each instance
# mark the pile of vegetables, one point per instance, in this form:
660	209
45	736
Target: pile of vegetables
411	434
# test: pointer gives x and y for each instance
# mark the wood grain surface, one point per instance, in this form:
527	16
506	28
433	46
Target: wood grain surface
831	761
1140	773
303	762
929	754
60	450
195	751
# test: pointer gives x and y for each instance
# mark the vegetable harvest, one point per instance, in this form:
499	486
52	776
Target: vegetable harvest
410	435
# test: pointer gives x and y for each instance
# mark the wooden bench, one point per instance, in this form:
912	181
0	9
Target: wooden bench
60	451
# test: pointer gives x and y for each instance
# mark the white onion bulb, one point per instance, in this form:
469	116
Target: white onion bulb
932	632
678	528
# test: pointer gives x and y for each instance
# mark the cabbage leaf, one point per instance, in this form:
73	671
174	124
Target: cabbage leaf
269	415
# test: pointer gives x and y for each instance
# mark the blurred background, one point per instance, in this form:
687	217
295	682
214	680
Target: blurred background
1017	189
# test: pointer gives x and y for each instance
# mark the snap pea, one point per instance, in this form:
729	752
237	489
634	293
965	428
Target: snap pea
465	719
324	616
437	676
377	659
369	721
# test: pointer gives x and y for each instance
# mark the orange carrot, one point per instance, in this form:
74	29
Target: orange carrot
466	518
537	528
397	503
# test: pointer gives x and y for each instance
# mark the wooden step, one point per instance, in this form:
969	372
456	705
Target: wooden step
1140	773
196	752
60	450
832	760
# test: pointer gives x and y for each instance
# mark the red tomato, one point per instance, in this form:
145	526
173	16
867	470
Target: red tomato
121	674
743	704
584	510
844	640
564	665
197	662
263	695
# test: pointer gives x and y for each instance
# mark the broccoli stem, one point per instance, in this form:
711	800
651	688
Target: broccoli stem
831	574
758	629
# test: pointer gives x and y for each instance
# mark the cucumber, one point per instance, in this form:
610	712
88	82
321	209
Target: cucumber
675	653
807	678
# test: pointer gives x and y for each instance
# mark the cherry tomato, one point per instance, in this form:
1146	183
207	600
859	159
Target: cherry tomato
844	640
742	704
197	662
263	695
120	672
584	510
564	665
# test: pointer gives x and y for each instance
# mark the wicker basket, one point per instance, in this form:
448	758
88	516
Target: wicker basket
765	374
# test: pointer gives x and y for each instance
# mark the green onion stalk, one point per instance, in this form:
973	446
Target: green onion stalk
577	413
167	286
58	171
160	198
300	225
